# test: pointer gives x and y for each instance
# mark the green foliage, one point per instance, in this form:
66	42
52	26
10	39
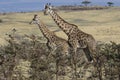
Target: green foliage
24	48
25	58
110	3
86	2
109	58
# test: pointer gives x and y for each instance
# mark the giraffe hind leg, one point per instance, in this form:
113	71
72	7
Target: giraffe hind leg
88	54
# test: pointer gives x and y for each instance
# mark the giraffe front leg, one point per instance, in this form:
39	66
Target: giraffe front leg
72	63
94	55
75	62
93	51
74	57
51	50
52	47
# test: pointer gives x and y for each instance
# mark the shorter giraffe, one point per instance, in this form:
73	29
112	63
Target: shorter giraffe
53	41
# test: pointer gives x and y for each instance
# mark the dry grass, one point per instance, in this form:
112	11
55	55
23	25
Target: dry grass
104	25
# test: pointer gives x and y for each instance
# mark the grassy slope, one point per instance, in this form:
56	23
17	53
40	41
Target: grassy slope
104	25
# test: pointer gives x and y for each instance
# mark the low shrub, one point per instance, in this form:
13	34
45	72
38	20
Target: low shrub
33	53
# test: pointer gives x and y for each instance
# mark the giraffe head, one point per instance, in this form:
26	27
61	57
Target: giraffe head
47	9
35	19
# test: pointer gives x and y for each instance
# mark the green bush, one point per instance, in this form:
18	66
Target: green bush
32	51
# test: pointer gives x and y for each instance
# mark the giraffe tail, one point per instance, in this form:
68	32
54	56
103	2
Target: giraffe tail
88	54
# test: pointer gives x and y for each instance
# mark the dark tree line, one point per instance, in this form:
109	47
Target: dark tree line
87	2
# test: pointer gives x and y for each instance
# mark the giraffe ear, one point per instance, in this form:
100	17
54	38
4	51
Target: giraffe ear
46	3
49	4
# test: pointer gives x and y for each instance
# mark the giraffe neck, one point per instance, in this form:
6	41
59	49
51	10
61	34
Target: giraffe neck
64	25
45	31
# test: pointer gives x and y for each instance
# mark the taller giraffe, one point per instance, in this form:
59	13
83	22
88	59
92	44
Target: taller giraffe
76	37
53	41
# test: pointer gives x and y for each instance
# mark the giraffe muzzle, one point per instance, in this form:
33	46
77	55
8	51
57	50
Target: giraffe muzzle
45	13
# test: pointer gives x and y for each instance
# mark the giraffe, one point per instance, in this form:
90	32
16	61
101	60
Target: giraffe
53	41
76	37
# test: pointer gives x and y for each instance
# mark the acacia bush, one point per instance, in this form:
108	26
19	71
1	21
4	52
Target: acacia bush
109	61
36	66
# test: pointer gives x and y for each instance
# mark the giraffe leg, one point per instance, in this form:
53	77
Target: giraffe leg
52	50
50	54
94	56
75	64
57	66
52	47
73	44
92	48
72	62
